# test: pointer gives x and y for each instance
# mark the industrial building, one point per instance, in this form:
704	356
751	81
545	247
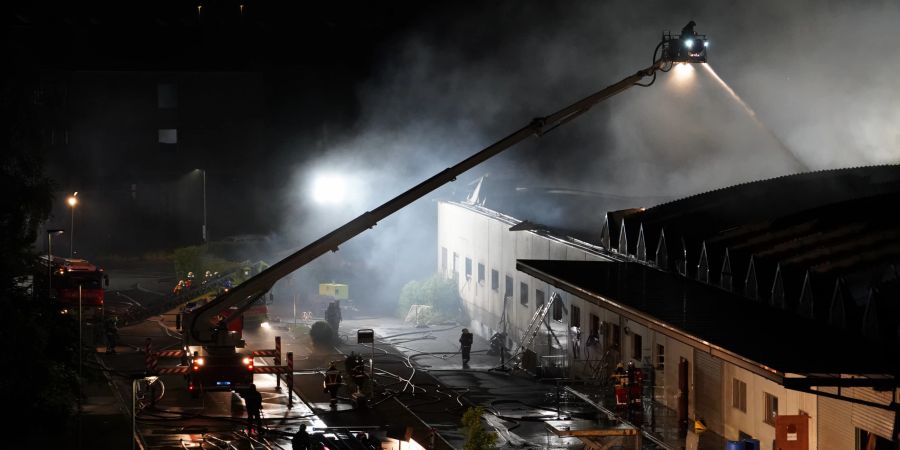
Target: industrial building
772	302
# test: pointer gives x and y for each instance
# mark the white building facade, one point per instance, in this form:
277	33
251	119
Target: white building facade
476	246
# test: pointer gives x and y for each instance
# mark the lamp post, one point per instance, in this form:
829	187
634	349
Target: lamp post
203	229
72	200
50	234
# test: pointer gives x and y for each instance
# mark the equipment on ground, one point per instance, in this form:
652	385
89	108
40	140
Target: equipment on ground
206	326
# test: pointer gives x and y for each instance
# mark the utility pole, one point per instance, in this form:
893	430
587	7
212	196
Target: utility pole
72	200
50	234
205	237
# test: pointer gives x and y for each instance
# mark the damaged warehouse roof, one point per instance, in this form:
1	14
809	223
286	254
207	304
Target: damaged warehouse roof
809	264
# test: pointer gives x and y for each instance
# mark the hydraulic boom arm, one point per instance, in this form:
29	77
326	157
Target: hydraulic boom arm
201	329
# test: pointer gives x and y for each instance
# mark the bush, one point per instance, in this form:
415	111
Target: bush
321	334
438	292
477	438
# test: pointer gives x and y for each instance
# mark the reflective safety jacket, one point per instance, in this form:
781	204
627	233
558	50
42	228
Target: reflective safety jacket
333	378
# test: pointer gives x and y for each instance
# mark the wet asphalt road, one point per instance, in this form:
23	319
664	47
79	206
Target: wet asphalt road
420	383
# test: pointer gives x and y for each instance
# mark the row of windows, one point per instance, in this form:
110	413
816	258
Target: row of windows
540	295
558	307
739	401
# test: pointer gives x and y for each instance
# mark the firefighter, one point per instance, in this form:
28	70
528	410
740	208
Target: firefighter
300	441
465	345
178	287
333	316
359	376
112	334
688	31
575	333
332	383
253	403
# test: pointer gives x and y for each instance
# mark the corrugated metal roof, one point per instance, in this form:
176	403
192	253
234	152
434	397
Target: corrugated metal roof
774	342
820	244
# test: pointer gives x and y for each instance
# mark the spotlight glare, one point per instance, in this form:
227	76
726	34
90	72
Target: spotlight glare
683	72
689	43
328	189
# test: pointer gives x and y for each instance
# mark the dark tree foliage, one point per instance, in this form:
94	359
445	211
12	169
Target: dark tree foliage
322	334
39	382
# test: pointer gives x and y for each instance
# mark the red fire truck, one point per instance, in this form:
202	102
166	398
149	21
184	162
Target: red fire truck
74	282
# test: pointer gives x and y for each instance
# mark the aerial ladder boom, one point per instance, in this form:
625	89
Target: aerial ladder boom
202	328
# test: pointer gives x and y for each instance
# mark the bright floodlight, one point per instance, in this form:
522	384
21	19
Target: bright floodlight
683	72
706	43
73	200
328	189
689	43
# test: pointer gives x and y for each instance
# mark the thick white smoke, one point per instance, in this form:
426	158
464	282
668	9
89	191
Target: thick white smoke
818	75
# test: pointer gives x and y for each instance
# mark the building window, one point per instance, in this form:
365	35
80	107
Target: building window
495	280
444	260
595	325
523	294
455	264
168	135
771	409
468	268
660	357
481	273
637	347
616	336
575	317
867	440
739	395
166	95
508	293
558	309
538	298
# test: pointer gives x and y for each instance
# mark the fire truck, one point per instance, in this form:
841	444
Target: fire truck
74	282
211	332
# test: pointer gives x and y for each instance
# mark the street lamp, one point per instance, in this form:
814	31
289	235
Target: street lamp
203	230
50	234
72	200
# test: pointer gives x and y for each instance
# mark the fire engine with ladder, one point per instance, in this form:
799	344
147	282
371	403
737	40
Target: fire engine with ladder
213	345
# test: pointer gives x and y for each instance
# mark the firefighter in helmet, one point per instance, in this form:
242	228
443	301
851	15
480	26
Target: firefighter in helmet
332	383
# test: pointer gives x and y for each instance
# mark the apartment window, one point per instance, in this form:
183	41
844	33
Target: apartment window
660	357
166	95
495	280
509	287
168	135
575	317
637	347
455	264
523	294
538	298
468	268
595	325
616	336
739	395
481	273
771	409
443	259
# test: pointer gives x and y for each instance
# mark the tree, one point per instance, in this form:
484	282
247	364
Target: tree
438	292
41	386
322	334
477	438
